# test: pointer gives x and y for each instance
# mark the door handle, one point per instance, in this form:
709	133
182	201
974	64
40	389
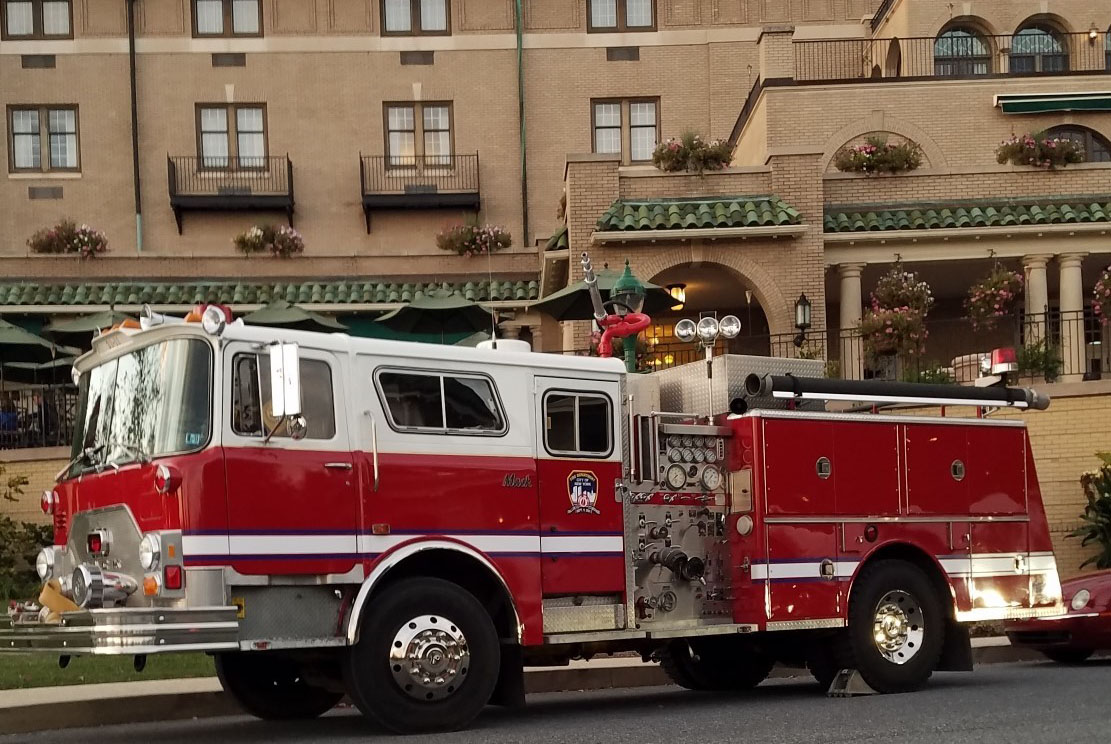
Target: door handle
338	465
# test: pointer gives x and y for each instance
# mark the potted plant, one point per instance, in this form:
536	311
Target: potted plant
1101	297
895	324
877	155
1039	151
281	241
993	297
692	154
471	239
1038	361
69	237
1097	514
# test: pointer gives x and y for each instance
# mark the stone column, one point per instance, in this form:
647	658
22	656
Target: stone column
852	310
1037	297
1074	358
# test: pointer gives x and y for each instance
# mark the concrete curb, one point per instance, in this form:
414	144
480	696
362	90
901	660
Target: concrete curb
141	702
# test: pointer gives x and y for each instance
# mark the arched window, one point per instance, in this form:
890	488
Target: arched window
961	51
1038	47
1096	147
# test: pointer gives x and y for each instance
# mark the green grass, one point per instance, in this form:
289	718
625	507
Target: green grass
41	670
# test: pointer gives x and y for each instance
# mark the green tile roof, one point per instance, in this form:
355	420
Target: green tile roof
244	293
680	214
938	216
558	241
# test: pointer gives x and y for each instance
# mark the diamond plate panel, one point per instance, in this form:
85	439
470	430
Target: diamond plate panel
286	612
685	388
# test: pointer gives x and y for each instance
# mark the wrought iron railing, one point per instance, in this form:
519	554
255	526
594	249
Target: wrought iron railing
37	418
746	110
434	174
230	177
881	13
833	60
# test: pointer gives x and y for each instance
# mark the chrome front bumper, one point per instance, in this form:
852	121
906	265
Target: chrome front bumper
123	631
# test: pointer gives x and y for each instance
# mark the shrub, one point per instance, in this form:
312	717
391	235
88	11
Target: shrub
1097	514
933	373
471	239
1039	358
20	542
692	154
1039	151
69	237
993	297
1101	297
877	155
281	241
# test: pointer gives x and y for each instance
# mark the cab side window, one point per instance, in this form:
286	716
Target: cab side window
456	403
577	424
252	418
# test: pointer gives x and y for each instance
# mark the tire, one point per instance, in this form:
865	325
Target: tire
896	599
269	686
449	639
714	664
1068	655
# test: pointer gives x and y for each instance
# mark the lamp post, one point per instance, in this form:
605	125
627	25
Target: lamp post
627	296
802	318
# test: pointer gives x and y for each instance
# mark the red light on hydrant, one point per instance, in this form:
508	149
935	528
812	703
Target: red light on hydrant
171	577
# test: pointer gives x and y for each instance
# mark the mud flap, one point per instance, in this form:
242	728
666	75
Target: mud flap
510	690
956	654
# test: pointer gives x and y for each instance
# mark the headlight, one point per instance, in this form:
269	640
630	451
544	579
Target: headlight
150	552
711	478
676	476
44	564
1080	599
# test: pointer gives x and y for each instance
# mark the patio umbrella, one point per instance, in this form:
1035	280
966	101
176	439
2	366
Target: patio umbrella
33	373
285	315
18	345
573	302
441	311
80	331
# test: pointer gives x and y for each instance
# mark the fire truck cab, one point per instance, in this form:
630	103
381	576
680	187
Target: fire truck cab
411	525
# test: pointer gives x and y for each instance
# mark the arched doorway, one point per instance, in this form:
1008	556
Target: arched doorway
707	288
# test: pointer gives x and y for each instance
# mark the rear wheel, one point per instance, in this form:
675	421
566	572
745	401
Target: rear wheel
895	634
714	664
427	658
1068	655
270	686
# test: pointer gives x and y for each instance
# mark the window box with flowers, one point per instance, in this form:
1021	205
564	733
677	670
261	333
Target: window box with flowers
692	154
1101	297
895	324
993	297
877	155
1039	151
281	241
69	237
471	239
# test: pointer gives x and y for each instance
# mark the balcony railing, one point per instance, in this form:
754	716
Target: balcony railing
229	184
37	418
838	60
418	182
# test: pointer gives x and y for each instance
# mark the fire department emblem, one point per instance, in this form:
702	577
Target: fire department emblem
582	489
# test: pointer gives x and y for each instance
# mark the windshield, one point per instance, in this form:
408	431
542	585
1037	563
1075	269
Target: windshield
154	401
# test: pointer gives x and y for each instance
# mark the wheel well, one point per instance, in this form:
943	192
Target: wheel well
924	561
464	571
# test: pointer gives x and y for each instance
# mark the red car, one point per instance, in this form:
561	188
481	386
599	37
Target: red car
1084	628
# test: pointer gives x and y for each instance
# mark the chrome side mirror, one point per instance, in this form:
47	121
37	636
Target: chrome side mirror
298	427
285	380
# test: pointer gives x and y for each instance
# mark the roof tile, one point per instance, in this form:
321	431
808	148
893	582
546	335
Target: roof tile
934	216
682	214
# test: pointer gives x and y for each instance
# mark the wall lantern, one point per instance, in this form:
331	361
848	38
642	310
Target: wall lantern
678	293
802	318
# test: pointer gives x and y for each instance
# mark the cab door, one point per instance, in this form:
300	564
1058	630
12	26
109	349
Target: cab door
292	505
579	460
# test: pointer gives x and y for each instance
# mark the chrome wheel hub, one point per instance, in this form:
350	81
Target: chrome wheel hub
429	657
898	626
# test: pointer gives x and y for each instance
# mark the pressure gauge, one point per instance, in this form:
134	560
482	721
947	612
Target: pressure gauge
674	441
688	454
700	455
688	441
711	455
675	455
711	478
676	476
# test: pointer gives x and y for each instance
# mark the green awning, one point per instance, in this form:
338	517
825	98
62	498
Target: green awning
1041	103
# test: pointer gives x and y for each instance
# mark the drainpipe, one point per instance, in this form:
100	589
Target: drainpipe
134	127
521	119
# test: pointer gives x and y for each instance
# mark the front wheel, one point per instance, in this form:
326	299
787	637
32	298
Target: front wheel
714	664
270	686
427	658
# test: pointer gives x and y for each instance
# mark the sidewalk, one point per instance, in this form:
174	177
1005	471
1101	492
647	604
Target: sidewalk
77	706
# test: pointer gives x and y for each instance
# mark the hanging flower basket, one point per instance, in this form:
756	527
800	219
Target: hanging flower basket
692	154
1101	297
473	240
877	155
281	241
1039	151
993	297
895	324
68	237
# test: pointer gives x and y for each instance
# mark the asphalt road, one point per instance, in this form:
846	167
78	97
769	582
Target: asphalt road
1014	703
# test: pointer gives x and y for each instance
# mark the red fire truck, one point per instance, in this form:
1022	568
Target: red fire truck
412	525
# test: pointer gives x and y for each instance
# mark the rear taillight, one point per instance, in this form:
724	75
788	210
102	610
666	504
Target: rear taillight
166	479
49	502
171	578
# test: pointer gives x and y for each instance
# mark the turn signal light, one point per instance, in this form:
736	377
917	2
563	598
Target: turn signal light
167	479
49	502
97	542
171	577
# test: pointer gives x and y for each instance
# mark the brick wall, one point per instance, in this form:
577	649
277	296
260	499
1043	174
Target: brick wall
40	466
